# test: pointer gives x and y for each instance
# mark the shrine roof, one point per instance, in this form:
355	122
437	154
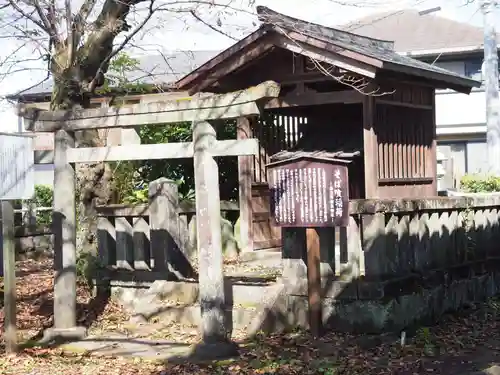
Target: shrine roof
350	48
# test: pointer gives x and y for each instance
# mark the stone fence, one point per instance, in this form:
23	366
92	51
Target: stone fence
419	236
401	261
37	238
30	242
157	240
398	262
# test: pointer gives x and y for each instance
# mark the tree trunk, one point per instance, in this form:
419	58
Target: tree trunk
94	180
78	69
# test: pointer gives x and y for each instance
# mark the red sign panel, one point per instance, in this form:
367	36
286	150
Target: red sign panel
308	193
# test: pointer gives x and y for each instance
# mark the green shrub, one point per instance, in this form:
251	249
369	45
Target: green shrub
142	195
137	196
43	198
480	184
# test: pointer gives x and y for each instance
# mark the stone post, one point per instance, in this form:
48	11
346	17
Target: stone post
29	214
294	256
163	221
214	323
64	228
9	275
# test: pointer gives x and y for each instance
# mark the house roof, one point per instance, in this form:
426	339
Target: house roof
375	53
413	32
158	70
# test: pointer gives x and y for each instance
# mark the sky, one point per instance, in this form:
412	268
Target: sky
177	35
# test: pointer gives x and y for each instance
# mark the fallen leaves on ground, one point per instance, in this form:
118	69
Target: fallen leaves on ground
35	304
462	342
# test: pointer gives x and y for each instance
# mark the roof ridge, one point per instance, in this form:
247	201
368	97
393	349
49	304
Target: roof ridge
273	18
413	32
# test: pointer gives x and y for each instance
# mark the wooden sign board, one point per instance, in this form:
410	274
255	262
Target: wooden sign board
17	166
309	192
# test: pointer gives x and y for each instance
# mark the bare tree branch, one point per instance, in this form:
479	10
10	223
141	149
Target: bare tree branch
80	53
29	16
49	27
70	31
198	18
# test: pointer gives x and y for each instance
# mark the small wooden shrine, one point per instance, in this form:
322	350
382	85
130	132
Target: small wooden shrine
343	96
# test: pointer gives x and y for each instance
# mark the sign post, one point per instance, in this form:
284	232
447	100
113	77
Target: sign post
16	182
310	192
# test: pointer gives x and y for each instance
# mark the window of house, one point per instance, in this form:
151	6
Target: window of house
457	67
477	157
456	154
473	69
466	157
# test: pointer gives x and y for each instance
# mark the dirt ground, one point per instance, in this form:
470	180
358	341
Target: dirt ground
465	343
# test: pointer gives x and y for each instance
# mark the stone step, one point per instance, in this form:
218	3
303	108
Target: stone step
245	320
176	292
268	313
260	255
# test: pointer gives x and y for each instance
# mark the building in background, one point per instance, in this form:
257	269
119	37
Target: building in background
455	46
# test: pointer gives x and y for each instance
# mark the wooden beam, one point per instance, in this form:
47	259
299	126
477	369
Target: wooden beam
249	55
181	150
370	153
245	173
299	66
402	104
201	72
308	99
217	106
314	281
433	161
309	77
455	82
301	46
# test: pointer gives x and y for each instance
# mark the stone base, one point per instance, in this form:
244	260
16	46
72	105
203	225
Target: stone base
62	335
387	313
212	351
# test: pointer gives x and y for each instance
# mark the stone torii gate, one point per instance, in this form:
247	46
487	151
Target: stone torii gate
198	110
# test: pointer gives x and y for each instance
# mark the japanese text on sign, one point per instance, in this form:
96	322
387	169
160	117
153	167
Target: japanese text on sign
306	193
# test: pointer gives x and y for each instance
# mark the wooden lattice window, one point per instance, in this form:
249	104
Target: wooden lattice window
404	137
275	133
